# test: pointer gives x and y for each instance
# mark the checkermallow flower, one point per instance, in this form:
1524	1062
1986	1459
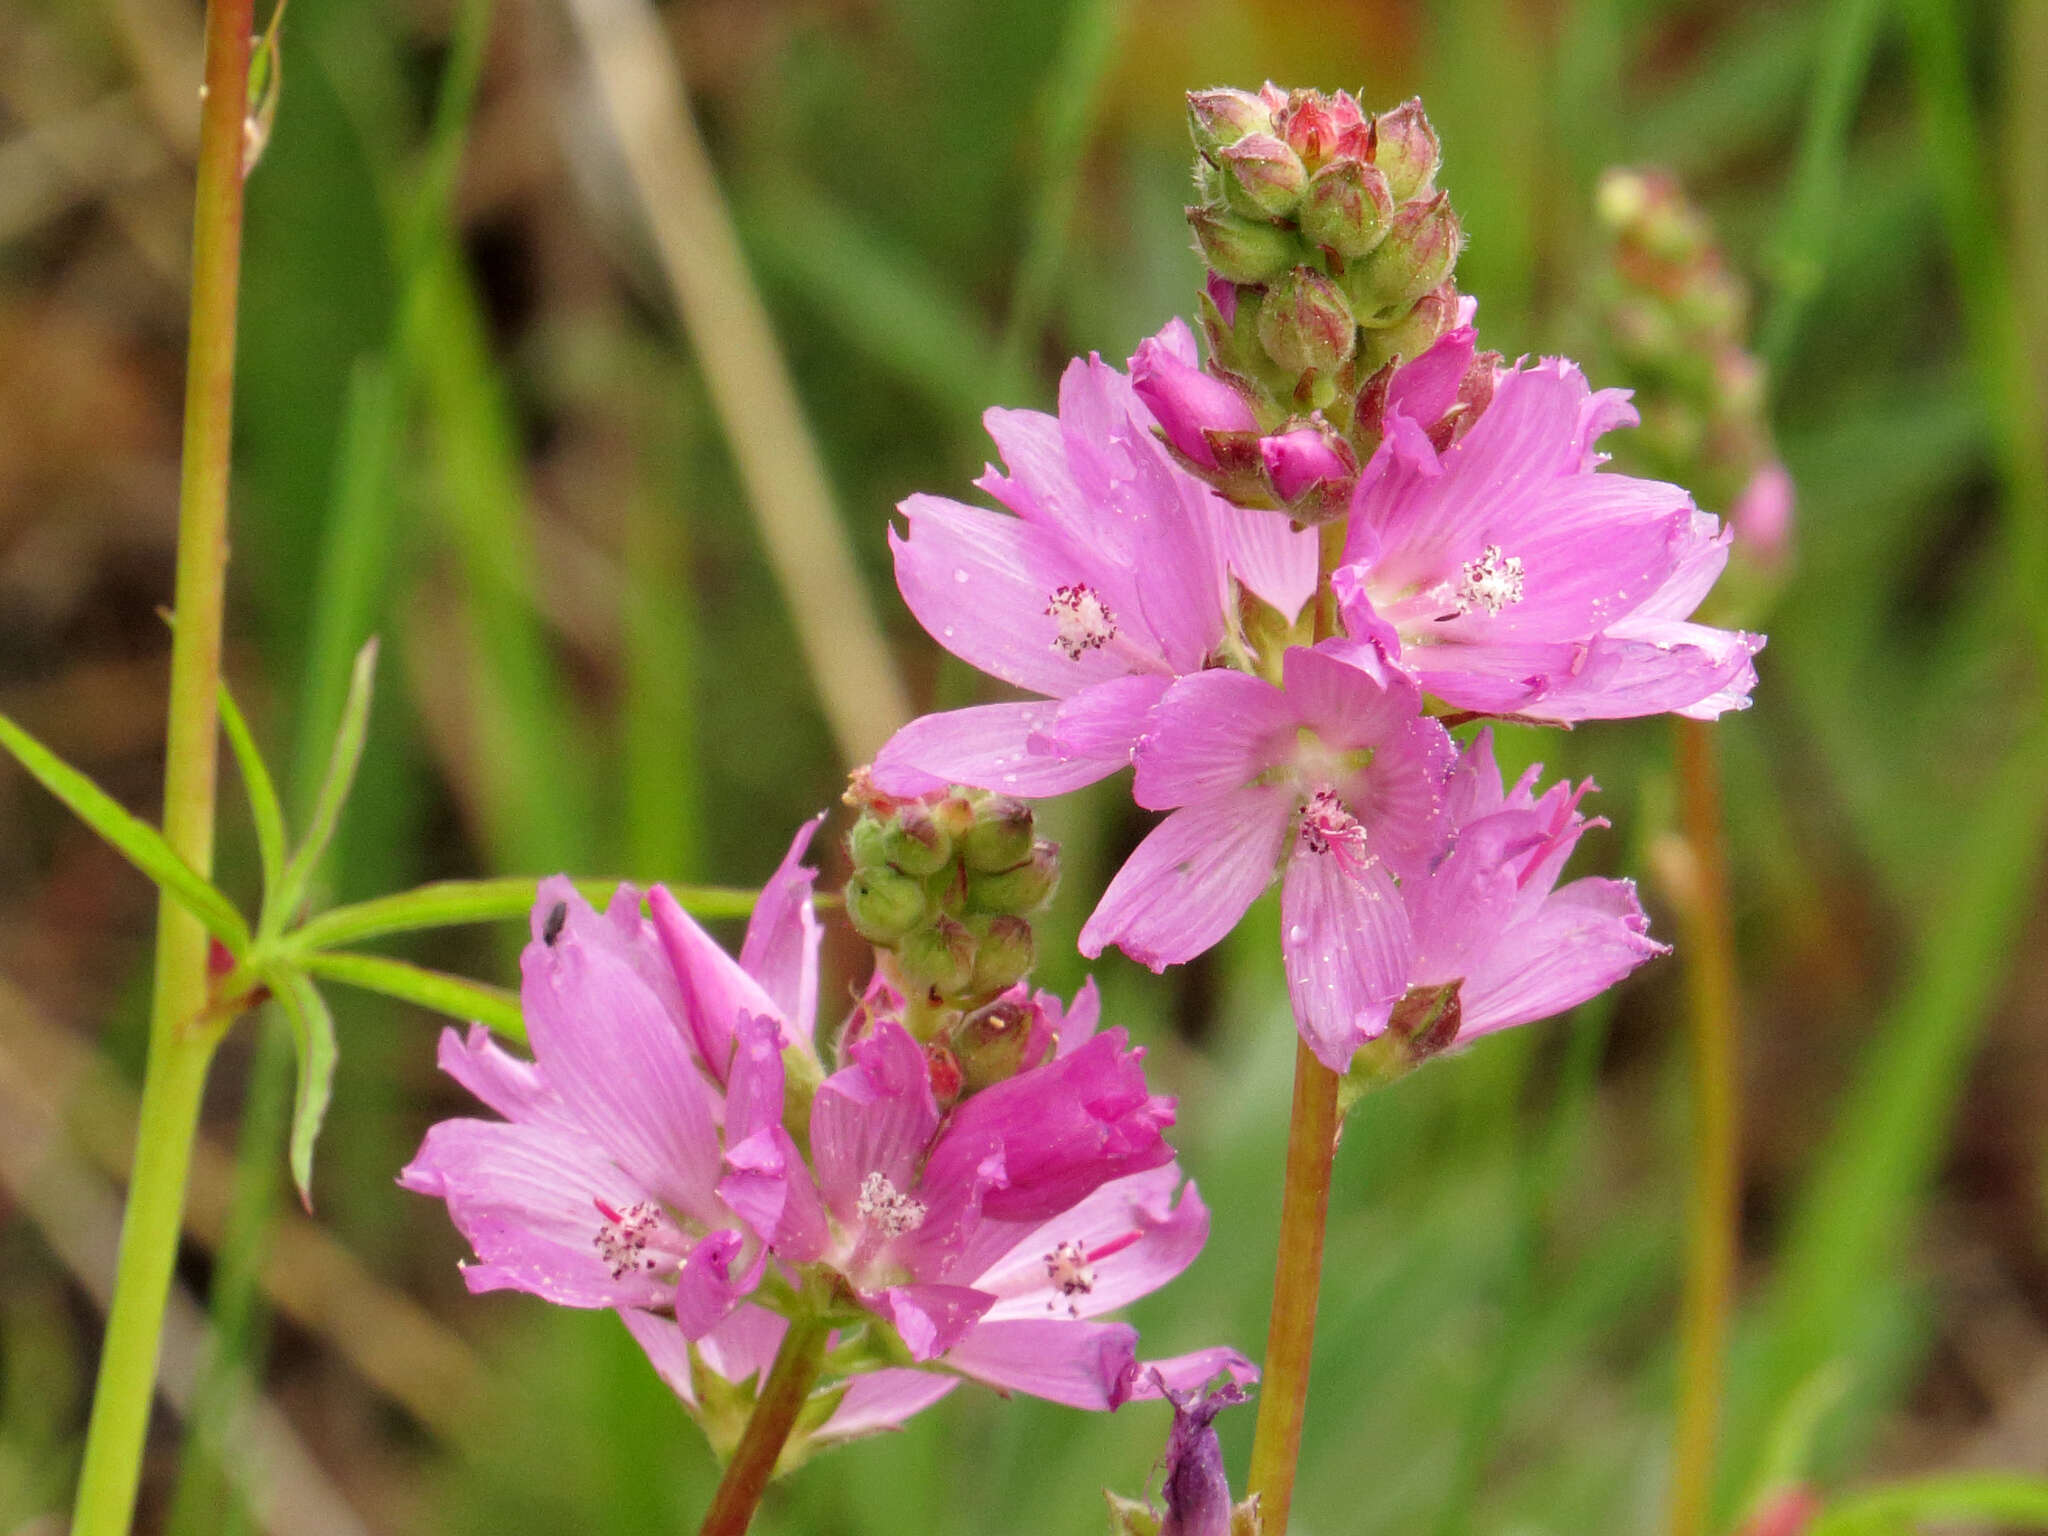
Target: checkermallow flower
676	1151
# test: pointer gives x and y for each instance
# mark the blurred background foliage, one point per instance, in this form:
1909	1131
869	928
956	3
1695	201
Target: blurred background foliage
471	418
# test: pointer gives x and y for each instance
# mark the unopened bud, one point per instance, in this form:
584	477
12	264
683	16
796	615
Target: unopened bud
1406	150
1262	177
1305	324
916	844
1310	126
864	842
1001	836
1410	336
939	957
1003	954
1222	117
1311	468
1021	890
1418	254
1347	209
948	1081
1427	1020
954	814
1241	249
998	1042
884	905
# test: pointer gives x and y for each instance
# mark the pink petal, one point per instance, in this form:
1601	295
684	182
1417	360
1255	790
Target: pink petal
874	1115
931	1319
1153	1241
666	1350
1275	560
1423	390
770	1189
1347	943
882	1400
514	1088
780	950
1185	401
1031	749
716	991
526	1198
1583	940
1189	882
1212	733
619	1061
1079	1364
707	1290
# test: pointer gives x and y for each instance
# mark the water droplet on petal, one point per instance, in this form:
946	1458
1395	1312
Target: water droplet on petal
959	574
1296	934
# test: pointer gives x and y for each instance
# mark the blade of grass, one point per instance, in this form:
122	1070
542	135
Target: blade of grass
1999	1497
438	992
446	903
640	84
136	840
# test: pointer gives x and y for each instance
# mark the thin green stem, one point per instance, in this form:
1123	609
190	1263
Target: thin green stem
179	1053
782	1398
1297	1284
1712	1208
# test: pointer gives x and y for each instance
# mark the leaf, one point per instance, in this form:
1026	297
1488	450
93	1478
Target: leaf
437	991
136	840
313	1032
342	762
445	903
1999	1498
264	807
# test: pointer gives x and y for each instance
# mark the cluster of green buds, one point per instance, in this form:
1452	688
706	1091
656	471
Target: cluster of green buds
1332	246
946	887
1677	320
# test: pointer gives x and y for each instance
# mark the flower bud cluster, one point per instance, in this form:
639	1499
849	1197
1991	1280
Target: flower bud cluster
1331	253
1678	321
947	886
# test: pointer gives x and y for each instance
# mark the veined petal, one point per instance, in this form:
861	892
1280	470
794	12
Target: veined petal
716	991
1347	943
770	1189
882	1400
707	1290
1212	733
1188	883
1079	1364
620	1063
1131	1239
1349	705
516	1089
1042	747
526	1197
1275	560
1423	390
1581	941
874	1115
930	1319
780	950
1648	669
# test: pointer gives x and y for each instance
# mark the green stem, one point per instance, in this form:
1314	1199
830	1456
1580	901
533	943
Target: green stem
1297	1282
1712	1210
782	1398
179	1053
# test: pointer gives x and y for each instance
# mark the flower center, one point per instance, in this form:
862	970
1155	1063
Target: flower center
1326	826
1492	582
639	1239
1068	1269
887	1211
1082	621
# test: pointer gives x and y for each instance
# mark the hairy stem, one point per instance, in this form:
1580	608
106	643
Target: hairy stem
1712	1212
782	1397
180	1049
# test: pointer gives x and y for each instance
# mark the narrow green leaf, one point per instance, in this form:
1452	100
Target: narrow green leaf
341	774
264	808
136	840
2002	1498
455	996
313	1032
447	903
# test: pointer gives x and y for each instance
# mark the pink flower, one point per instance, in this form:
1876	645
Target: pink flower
1511	577
1111	579
1489	914
1337	779
645	1164
1762	517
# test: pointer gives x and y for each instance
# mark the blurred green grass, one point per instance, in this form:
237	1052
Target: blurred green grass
466	420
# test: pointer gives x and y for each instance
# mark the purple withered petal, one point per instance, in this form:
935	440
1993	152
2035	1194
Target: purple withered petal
1190	880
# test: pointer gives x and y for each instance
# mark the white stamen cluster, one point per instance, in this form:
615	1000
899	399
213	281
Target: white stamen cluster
886	1210
1082	621
622	1241
1071	1274
1326	824
1490	582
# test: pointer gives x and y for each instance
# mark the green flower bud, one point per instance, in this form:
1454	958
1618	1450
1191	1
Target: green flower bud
1419	252
1220	117
1240	249
1001	835
883	905
1409	337
939	956
1003	954
1348	208
916	843
864	842
1021	890
1262	177
1305	324
1406	150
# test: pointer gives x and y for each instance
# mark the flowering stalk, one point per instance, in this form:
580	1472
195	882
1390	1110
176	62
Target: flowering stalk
782	1398
180	1049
